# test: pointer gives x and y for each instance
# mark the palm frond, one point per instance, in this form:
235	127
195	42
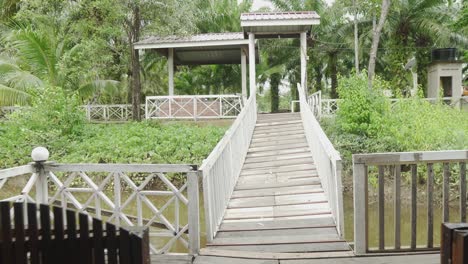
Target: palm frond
36	51
10	96
98	86
22	80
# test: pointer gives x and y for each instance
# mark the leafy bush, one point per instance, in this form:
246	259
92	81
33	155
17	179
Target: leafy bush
55	120
361	111
366	122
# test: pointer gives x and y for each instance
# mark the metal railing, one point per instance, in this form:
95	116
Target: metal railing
329	107
222	167
193	106
394	166
327	160
127	195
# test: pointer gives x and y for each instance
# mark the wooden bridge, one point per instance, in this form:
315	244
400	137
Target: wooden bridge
278	203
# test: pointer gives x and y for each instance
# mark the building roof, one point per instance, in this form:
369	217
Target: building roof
279	15
193	38
200	49
279	24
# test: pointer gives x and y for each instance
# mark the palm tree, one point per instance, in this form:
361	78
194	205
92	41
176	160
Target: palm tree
31	61
417	26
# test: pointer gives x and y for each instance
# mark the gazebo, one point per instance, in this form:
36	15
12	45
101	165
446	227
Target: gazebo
224	48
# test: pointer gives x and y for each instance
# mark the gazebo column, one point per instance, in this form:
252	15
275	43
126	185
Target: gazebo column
170	69
244	74
304	60
252	74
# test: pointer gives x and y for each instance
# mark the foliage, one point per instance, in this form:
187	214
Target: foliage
145	142
366	122
362	111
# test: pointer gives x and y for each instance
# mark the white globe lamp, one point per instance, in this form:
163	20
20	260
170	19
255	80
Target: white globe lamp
40	154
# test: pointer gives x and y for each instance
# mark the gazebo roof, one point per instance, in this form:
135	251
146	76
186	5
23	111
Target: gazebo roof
273	24
211	48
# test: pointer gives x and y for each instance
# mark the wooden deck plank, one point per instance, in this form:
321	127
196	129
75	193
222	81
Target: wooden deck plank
273	134
171	259
279	176
277	211
228	260
299	136
277	200
278	224
268	129
302	209
290	234
305	247
413	259
278	169
304	154
276	191
268	185
278	147
277	163
276	152
277	142
273	255
268	239
278	123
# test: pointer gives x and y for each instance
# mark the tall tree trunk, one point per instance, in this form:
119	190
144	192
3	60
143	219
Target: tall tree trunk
318	78
356	39
275	80
375	40
333	60
135	82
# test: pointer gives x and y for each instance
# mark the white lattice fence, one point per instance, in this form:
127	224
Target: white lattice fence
138	196
193	107
120	112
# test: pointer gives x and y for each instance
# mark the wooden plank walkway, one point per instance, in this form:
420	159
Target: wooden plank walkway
395	259
278	204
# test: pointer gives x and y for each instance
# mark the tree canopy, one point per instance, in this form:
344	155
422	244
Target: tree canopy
85	46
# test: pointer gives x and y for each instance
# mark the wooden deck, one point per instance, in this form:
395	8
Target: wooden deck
413	259
278	204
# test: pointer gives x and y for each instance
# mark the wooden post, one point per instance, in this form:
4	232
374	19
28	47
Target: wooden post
244	75
193	212
360	208
304	61
170	69
42	190
252	74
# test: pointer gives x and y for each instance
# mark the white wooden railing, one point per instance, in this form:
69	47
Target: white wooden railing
326	159
111	191
94	113
448	166
116	112
222	167
193	106
329	107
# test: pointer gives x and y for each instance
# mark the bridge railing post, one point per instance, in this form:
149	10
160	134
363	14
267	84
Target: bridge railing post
360	207
193	212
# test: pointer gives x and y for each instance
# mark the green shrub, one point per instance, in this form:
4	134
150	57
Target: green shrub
361	111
